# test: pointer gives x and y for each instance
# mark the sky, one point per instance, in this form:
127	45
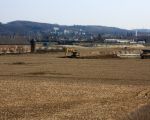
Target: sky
128	14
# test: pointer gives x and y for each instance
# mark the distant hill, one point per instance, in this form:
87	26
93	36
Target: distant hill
26	27
23	27
143	30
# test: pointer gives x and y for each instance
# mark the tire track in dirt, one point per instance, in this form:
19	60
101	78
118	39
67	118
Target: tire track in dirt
71	78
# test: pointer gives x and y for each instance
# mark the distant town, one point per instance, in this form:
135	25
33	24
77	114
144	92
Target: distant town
21	32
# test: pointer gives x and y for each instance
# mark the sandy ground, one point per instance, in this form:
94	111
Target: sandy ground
46	87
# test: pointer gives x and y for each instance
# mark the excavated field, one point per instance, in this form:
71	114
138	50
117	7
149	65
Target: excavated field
47	87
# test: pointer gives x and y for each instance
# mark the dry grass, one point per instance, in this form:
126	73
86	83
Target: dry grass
46	87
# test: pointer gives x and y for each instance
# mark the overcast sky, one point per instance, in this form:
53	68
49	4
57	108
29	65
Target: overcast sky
128	14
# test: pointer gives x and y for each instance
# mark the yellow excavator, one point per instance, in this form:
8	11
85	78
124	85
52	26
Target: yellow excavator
72	53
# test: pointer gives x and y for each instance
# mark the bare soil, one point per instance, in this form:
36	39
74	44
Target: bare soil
47	87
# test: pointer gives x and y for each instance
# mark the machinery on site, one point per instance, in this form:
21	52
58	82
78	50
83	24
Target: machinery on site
145	54
72	53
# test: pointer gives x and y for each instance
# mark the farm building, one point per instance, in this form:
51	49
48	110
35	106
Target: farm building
123	41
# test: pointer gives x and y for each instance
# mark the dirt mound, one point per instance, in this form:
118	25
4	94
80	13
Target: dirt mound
108	56
142	113
99	56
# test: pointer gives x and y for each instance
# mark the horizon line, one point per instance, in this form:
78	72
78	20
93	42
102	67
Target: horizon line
73	24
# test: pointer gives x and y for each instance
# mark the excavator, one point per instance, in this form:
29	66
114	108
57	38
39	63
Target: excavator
71	53
145	54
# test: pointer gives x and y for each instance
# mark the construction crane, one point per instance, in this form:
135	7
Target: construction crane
74	53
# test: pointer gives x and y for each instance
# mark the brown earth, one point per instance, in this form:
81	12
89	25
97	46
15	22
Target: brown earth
47	87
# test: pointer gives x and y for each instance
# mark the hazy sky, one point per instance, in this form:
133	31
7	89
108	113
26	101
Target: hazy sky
117	13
